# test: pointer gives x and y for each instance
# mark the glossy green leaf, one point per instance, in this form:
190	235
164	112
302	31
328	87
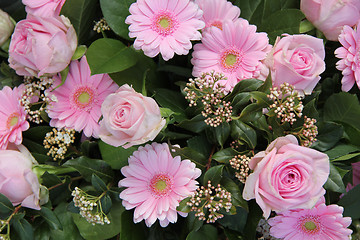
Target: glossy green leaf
196	124
188	153
98	183
50	218
329	134
130	230
224	155
242	131
341	150
108	55
172	100
23	228
106	203
116	157
79	52
183	207
5	205
214	175
334	182
351	201
236	193
207	232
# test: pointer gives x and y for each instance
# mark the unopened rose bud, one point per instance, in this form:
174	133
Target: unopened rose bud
6	27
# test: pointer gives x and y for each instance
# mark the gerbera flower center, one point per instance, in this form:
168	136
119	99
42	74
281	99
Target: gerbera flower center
83	98
161	185
164	23
310	224
12	120
230	60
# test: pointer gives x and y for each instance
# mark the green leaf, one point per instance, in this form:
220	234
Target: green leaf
196	124
106	203
310	109
50	218
343	107
234	222
98	183
188	153
181	71
172	100
207	232
115	13
351	201
116	157
236	193
108	55
86	167
200	144
224	155
334	182
346	157
329	134
23	228
341	150
214	174
100	232
42	232
248	7
81	14
183	207
241	131
5	205
246	85
232	235
254	216
130	230
64	73
220	133
79	52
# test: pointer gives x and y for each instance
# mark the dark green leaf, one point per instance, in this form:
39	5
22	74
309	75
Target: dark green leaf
246	85
181	71
207	232
79	52
341	150
241	131
5	205
248	7
172	100
251	112
223	156
265	88
193	222
115	12
236	193
87	167
42	232
108	55
23	228
130	230
329	134
235	222
346	157
116	157
200	144
254	216
220	133
232	235
310	109
189	153
98	183
183	207
106	203
214	175
50	218
196	124
351	201
334	182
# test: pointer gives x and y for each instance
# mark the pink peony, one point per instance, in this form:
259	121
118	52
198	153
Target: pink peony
78	101
286	176
43	8
236	51
297	60
217	11
164	26
17	181
155	184
129	118
350	58
329	16
320	222
42	46
12	116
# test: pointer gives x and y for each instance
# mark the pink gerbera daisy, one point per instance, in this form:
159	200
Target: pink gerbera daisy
319	223
164	26
216	11
156	183
236	51
350	57
76	104
12	116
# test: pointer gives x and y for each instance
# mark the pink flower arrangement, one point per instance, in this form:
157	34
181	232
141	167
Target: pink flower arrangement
349	55
155	184
164	26
217	11
12	116
42	46
78	101
329	16
286	176
297	60
17	181
236	51
129	118
43	8
320	222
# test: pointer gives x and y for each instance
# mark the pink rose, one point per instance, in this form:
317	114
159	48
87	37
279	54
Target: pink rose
286	176
17	181
297	60
329	16
42	46
129	118
43	8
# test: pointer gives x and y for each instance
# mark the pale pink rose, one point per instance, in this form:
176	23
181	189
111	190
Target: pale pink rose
129	118
17	181
42	46
6	27
297	60
43	8
286	176
329	16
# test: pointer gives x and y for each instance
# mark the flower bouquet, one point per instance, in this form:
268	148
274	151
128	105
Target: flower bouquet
179	119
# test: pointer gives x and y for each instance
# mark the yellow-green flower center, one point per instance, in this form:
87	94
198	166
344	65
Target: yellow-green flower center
164	22
84	97
230	59
12	120
310	225
160	185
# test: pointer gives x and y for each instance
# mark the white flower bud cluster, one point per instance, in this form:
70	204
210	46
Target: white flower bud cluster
206	90
209	201
287	103
58	141
90	207
34	98
101	26
241	164
308	132
263	228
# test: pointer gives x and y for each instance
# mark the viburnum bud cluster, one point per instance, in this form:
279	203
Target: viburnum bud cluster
287	103
241	164
206	89
263	228
209	202
34	98
308	132
90	207
58	141
101	26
